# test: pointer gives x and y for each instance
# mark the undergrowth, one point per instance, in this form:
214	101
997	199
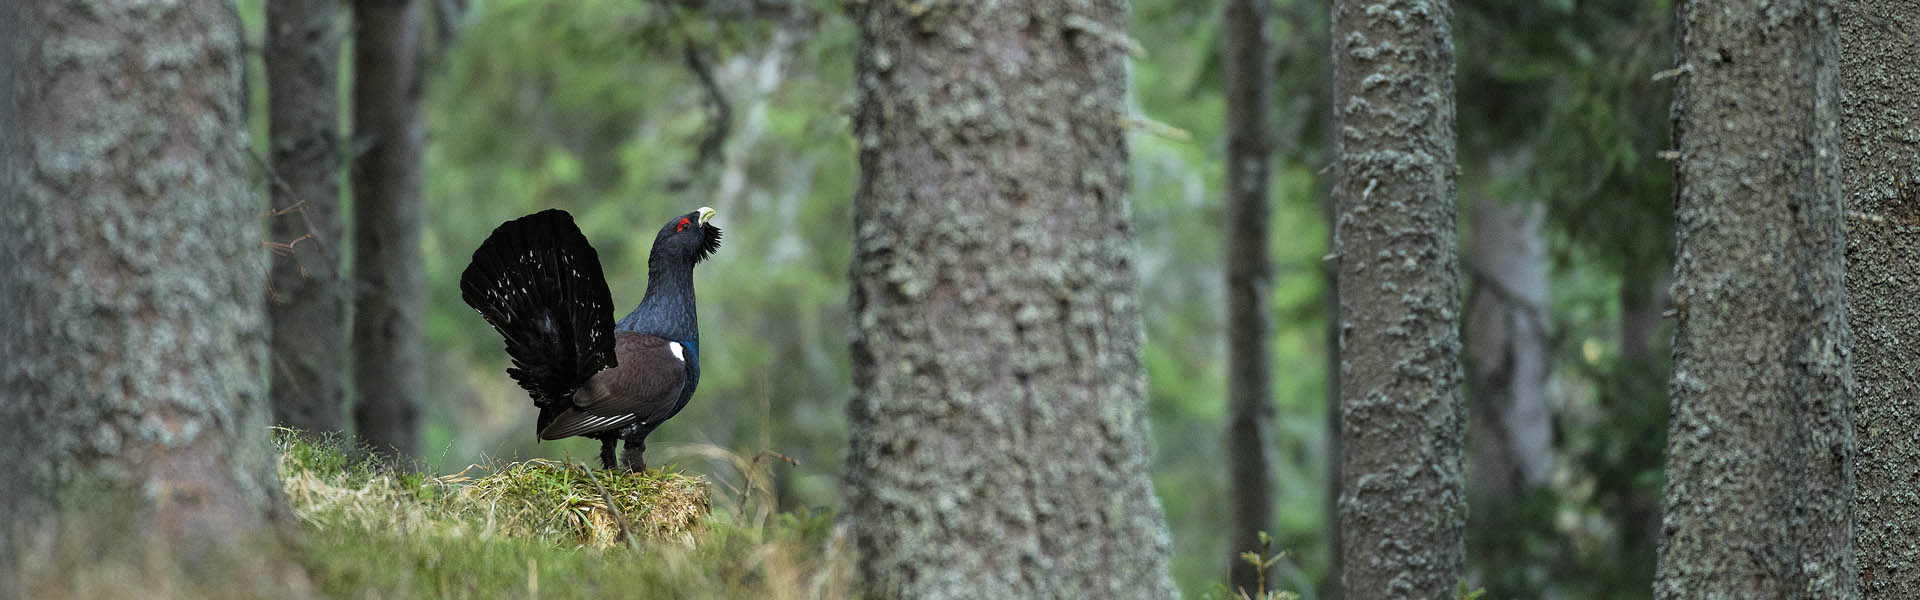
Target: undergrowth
546	529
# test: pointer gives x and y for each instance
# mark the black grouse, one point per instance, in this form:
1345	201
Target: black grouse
539	283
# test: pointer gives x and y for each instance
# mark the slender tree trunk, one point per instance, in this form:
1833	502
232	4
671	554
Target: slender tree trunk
1880	91
1249	275
1507	346
1330	272
1402	504
999	434
389	371
1642	301
308	303
1336	540
131	282
1759	449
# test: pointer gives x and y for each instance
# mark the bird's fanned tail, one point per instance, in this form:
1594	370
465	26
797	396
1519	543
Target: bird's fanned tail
539	283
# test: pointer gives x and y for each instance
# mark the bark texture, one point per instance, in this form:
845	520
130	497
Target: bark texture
999	434
308	301
1760	443
131	285
1249	276
1402	504
1880	116
1507	352
389	370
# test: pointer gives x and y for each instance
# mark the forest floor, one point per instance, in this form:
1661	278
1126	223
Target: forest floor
547	529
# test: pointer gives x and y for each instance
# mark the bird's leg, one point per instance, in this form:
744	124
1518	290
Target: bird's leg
606	452
636	446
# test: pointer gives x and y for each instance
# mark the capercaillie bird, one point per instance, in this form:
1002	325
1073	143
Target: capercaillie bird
539	283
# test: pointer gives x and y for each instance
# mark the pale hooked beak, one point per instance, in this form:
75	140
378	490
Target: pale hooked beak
706	214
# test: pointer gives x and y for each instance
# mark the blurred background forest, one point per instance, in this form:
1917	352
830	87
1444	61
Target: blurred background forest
626	112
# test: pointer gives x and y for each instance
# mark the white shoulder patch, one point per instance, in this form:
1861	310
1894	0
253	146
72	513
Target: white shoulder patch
677	351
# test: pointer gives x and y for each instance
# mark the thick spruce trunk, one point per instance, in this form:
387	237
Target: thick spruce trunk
1760	444
1402	503
133	403
1880	106
999	434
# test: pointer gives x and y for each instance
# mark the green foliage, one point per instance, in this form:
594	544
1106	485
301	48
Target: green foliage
1263	562
1469	593
1572	87
1559	104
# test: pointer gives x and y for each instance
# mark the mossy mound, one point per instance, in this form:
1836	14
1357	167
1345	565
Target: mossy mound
546	499
545	529
538	499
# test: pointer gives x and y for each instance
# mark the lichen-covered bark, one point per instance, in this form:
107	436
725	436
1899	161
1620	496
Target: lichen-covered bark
131	287
308	307
999	434
389	368
1880	121
1760	442
1249	276
1402	503
1506	331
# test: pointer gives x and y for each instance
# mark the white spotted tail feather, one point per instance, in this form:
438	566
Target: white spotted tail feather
538	282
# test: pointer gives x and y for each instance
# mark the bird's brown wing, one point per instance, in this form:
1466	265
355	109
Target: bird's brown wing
642	389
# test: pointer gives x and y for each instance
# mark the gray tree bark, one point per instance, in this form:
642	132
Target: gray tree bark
1507	351
1249	277
1402	504
1760	444
389	370
998	421
131	284
308	303
1880	106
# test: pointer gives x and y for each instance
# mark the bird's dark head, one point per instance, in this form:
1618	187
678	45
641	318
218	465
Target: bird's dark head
689	237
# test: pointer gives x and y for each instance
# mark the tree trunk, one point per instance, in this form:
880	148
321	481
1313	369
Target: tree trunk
1507	347
998	421
1249	276
1336	540
308	304
1402	504
389	371
1880	104
1643	299
135	412
1759	449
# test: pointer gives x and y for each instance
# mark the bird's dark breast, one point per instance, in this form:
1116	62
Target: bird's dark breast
653	359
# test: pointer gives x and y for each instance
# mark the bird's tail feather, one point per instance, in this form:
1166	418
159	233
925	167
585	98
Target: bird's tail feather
538	282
